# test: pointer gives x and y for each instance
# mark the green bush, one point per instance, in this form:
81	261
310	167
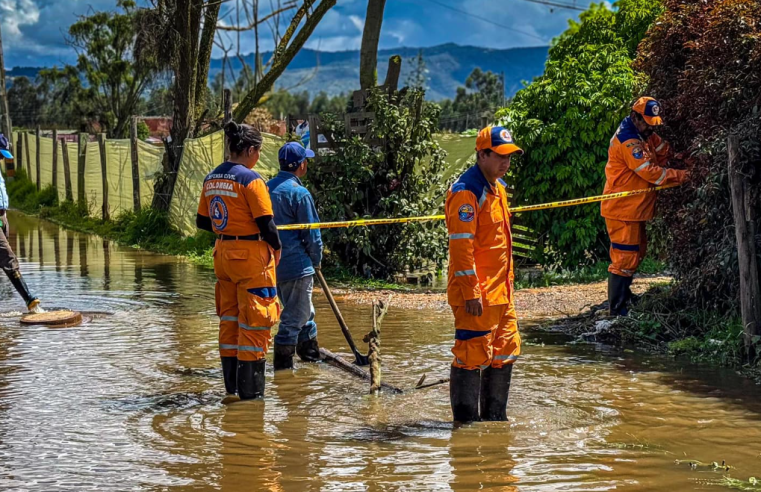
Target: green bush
401	177
565	119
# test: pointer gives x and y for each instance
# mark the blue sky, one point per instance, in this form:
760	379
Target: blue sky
34	30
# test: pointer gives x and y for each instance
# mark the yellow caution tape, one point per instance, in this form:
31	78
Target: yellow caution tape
425	218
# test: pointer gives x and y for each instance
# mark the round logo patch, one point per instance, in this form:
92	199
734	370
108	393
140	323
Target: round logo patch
218	213
505	135
656	109
637	152
466	213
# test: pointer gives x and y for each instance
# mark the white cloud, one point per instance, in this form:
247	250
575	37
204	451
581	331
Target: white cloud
334	43
358	22
17	13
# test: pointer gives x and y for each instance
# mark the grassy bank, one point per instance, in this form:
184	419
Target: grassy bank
660	323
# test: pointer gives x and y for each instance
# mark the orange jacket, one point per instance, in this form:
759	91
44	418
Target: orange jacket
480	242
636	164
233	196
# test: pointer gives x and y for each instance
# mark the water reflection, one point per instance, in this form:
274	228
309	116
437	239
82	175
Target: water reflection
130	400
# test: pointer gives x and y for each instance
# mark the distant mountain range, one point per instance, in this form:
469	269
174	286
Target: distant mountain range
448	65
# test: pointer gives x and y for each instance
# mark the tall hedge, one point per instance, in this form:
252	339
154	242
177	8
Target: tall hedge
703	61
565	119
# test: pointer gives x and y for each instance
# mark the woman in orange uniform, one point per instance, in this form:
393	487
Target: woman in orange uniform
236	206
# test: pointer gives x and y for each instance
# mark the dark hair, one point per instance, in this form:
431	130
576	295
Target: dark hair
241	137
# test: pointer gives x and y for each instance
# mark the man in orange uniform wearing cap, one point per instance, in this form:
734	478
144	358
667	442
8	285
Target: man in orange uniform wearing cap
636	157
480	286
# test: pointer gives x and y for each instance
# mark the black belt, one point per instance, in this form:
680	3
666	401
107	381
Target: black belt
252	237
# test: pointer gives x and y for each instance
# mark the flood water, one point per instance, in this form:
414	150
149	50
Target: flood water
131	399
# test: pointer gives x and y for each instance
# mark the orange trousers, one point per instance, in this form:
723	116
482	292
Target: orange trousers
491	339
246	298
628	246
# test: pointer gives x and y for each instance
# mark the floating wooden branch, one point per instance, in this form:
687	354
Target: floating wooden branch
337	361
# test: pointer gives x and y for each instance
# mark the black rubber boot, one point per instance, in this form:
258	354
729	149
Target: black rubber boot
618	294
309	351
283	357
20	285
631	297
230	373
464	387
495	387
250	379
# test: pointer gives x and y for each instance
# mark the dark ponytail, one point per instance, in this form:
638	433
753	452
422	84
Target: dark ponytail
241	137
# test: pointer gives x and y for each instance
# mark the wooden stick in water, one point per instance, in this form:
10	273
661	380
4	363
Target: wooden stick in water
337	361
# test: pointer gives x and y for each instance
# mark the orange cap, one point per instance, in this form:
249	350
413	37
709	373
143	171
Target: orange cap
497	139
650	109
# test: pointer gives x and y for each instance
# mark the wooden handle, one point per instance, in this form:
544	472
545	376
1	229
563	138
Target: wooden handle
336	311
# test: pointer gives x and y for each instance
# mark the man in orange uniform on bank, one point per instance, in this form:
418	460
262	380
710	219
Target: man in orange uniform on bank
636	157
480	286
236	206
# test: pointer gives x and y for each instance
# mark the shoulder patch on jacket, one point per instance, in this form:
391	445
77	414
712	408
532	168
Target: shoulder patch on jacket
466	212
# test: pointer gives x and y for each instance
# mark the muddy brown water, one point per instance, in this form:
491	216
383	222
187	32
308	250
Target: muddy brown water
130	399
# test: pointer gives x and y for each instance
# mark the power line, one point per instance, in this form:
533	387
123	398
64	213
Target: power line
484	19
557	4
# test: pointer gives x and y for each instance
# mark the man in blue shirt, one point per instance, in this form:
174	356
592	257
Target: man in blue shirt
301	254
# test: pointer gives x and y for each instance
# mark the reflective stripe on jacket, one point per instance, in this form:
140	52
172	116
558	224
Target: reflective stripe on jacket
635	164
480	242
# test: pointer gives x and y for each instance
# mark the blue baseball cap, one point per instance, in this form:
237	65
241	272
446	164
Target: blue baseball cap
4	147
292	154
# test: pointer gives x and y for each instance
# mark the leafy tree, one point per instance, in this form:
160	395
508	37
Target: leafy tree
483	91
402	179
116	75
417	78
159	102
703	62
565	119
181	33
322	103
25	103
64	103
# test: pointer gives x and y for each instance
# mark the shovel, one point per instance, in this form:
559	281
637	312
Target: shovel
359	359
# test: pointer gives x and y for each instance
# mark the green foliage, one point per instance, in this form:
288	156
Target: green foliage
579	275
400	180
115	78
143	131
564	120
703	62
24	103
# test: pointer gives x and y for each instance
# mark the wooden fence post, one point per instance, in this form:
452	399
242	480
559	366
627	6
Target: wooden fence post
81	162
37	145
103	170
745	233
27	155
55	159
66	170
135	165
18	152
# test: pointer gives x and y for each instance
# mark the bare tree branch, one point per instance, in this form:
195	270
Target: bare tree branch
254	23
284	55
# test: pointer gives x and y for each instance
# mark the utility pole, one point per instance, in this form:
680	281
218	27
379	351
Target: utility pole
6	122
